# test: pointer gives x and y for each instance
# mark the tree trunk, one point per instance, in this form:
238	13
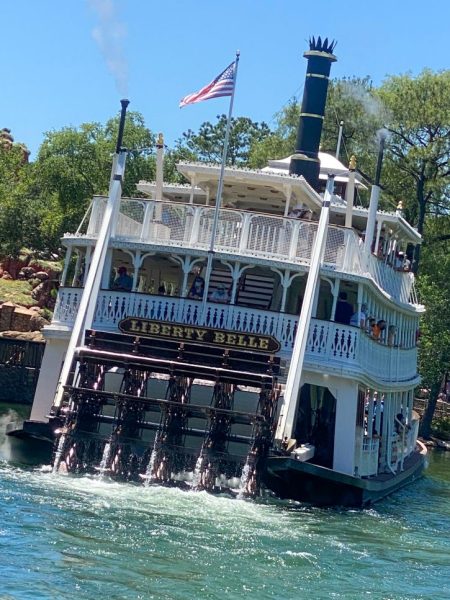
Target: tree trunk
422	204
425	423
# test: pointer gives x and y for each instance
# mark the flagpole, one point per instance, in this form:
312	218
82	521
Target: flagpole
219	196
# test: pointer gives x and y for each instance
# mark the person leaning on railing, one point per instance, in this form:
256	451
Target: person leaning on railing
123	281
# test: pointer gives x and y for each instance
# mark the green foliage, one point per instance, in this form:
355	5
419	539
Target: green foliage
351	100
434	289
207	144
441	428
419	148
14	204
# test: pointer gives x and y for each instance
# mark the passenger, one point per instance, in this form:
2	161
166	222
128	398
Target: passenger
344	310
392	332
220	294
123	281
162	290
300	212
197	288
399	261
369	325
377	329
358	318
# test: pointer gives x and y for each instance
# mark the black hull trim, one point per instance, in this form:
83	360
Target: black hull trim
294	480
32	444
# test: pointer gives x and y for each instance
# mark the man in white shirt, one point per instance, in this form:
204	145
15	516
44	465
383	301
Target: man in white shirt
358	319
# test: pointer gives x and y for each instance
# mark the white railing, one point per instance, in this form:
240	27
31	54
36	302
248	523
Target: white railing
328	342
397	283
368	458
247	234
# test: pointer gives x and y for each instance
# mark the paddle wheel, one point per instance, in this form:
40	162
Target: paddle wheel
168	412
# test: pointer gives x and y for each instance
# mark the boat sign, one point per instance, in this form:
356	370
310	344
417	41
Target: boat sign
200	335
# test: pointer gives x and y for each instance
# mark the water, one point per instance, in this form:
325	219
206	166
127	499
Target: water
87	538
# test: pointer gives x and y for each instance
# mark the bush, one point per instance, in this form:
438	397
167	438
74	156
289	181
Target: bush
441	428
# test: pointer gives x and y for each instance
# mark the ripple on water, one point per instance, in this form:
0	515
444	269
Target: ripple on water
65	537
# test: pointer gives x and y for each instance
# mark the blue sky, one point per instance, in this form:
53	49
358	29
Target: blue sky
54	66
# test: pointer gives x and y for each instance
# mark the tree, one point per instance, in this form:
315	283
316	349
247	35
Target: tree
74	164
434	289
418	154
207	144
351	100
14	177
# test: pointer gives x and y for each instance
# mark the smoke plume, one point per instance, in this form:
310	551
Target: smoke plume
372	105
110	34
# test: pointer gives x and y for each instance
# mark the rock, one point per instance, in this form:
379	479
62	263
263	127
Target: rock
441	444
27	271
37	291
34	282
41	275
6	275
32	336
37	323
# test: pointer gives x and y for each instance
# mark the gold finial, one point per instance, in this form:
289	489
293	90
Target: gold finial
352	163
400	205
160	141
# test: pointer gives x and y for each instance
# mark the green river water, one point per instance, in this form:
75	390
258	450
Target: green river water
85	538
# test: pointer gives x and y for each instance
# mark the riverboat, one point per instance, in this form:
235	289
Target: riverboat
281	357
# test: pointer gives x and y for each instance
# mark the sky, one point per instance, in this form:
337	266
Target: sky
67	62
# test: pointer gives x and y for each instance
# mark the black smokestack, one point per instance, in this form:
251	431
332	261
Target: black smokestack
123	113
306	158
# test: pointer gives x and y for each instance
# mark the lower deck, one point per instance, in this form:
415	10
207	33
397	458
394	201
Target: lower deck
307	482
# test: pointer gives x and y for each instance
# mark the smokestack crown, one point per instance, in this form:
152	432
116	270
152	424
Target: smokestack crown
317	47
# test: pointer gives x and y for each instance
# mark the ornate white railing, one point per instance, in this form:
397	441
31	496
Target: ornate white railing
397	283
247	234
328	343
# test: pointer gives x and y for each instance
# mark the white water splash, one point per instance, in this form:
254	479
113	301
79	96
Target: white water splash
6	420
59	451
150	468
245	478
105	459
197	472
110	34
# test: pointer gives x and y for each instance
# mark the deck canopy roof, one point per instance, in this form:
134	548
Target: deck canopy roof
243	188
328	165
274	190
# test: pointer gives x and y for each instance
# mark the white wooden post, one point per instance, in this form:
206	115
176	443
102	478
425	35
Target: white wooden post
288	413
66	266
350	192
77	268
159	166
86	309
136	266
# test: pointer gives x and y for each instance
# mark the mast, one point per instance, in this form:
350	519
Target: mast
86	310
219	195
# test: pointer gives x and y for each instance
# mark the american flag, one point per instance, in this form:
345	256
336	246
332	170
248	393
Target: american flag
222	85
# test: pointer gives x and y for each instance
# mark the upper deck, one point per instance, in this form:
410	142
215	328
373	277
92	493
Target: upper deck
256	237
